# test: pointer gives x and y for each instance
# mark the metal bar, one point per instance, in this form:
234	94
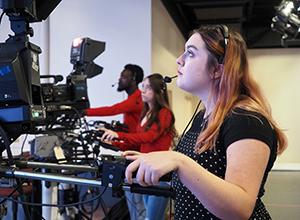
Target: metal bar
52	178
84	168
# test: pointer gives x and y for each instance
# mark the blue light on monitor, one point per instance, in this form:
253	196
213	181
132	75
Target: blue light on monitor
4	70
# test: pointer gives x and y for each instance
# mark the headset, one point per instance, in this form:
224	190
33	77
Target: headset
225	33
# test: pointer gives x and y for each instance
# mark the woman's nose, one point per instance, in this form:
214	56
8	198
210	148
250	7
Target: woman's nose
179	61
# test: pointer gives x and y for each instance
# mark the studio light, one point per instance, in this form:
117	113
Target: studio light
287	22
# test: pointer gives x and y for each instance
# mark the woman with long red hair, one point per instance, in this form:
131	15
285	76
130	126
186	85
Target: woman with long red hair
222	163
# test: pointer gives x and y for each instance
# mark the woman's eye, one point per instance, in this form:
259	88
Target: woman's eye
190	53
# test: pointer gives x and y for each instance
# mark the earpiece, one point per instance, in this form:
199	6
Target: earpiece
134	76
225	33
164	85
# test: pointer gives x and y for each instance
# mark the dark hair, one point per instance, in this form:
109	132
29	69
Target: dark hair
137	72
161	100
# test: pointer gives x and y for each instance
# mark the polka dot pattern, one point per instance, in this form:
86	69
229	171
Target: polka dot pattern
187	206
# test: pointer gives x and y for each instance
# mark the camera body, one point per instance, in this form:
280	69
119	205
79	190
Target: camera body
25	102
73	94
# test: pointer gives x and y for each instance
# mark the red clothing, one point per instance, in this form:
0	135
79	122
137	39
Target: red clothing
153	139
131	108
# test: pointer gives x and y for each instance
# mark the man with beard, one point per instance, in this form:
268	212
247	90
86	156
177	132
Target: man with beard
132	107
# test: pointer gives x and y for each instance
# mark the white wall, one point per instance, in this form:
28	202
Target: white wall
125	26
167	45
277	71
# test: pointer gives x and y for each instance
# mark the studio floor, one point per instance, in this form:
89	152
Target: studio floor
282	197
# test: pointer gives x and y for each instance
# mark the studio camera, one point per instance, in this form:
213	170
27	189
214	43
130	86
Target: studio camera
73	95
21	102
25	103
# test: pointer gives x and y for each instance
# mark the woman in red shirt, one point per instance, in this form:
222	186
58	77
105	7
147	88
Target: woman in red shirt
154	133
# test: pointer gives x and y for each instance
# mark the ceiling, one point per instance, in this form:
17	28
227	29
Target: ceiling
252	18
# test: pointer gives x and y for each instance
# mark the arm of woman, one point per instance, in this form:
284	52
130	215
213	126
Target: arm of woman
123	146
112	137
152	133
132	138
235	196
232	198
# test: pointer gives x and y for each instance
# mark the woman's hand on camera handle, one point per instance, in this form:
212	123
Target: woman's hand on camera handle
152	166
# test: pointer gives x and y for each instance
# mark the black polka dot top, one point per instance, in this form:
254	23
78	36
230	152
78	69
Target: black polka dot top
237	125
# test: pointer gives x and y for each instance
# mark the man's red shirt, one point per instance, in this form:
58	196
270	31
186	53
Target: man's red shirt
131	108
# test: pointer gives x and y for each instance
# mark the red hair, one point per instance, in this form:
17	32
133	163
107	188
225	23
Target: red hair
234	88
161	100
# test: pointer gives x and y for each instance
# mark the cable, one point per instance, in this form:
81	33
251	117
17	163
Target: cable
183	133
15	189
103	206
62	206
5	141
170	209
192	118
78	115
84	209
38	212
1	16
23	144
86	123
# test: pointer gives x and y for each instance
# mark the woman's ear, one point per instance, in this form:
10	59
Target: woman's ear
217	71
